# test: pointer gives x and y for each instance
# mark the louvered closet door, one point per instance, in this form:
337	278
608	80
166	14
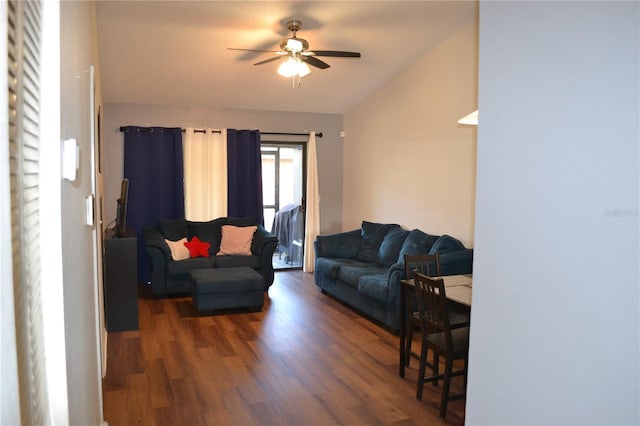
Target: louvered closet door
24	44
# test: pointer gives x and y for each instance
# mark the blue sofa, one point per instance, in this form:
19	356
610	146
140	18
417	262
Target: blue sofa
170	276
363	267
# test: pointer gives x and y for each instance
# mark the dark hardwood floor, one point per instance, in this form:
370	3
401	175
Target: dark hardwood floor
305	359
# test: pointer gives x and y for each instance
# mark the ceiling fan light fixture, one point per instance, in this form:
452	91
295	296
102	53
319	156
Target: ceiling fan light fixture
293	67
295	51
303	69
294	45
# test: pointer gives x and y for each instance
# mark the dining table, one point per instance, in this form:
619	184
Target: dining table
458	289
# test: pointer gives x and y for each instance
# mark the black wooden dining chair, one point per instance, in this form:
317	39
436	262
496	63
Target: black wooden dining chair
427	264
453	344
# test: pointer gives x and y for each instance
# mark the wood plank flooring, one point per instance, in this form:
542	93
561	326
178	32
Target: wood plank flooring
306	359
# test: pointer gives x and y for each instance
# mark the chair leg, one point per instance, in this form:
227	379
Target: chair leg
436	366
407	346
444	399
421	370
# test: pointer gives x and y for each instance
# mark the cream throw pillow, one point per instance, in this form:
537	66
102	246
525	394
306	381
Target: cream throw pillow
236	240
178	250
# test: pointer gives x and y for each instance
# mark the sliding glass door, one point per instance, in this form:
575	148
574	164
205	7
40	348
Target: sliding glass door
283	183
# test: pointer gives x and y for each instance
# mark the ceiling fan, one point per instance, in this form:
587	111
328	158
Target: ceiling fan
296	51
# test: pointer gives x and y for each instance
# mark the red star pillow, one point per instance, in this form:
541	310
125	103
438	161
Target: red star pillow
197	247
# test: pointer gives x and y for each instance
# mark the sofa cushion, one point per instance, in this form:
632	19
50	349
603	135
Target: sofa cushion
350	275
236	240
417	242
197	248
375	286
179	250
241	221
390	247
446	244
183	267
226	280
209	232
234	261
173	230
344	245
330	266
372	235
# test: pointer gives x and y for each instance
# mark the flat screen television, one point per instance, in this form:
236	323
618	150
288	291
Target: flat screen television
121	218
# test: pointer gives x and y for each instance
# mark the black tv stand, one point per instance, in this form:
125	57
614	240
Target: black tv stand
121	281
123	233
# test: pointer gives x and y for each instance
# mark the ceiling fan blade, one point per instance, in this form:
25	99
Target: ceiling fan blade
254	50
266	61
315	62
335	53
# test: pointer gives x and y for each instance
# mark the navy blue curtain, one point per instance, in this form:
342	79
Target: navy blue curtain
153	164
244	163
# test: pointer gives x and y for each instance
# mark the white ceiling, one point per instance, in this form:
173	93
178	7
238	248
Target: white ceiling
175	52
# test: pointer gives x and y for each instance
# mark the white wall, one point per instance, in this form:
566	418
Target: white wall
406	160
555	320
329	147
78	52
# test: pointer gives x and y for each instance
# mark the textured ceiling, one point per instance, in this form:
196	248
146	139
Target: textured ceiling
175	52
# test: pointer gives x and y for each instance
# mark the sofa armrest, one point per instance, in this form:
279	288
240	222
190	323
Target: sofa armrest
264	245
343	245
159	255
397	270
396	273
457	262
154	239
261	239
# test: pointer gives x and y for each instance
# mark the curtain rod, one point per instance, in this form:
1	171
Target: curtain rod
203	131
319	134
125	128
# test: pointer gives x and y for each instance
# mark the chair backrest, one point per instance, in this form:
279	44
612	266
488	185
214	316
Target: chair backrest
427	264
432	304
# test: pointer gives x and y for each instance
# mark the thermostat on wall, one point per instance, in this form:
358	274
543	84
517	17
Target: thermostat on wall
70	159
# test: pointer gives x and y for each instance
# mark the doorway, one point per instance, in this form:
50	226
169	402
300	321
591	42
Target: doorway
283	183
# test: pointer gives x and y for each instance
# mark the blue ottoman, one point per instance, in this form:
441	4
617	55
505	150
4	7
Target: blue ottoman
227	288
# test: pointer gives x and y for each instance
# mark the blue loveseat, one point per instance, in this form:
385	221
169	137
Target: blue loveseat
363	267
170	276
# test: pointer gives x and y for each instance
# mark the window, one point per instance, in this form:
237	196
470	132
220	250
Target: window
283	183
